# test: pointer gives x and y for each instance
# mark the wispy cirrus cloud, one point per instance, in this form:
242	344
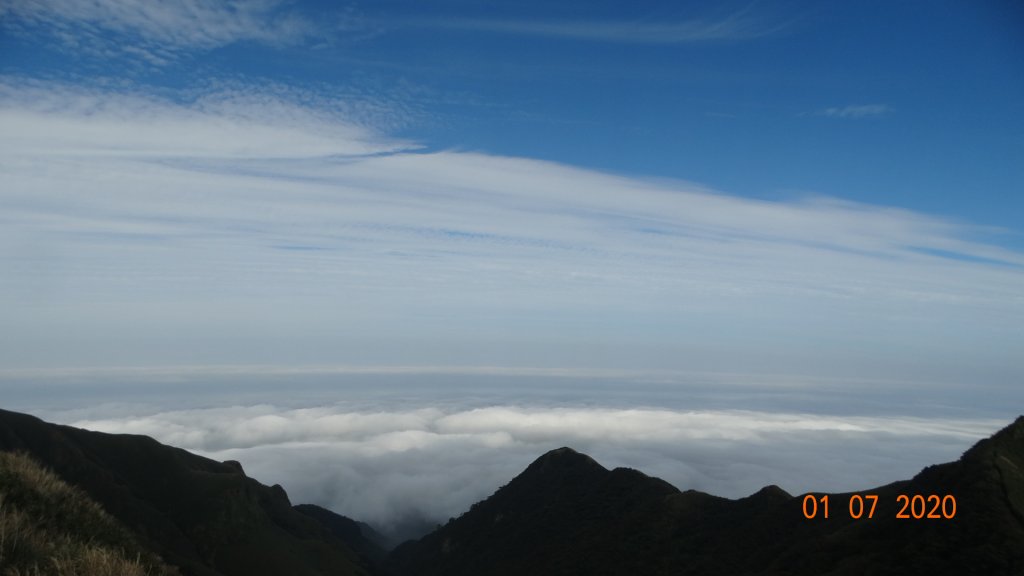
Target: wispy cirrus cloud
158	31
230	121
274	231
741	25
856	111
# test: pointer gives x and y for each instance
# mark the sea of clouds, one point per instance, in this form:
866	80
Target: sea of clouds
405	452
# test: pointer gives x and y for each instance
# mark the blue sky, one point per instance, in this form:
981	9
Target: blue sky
805	216
911	104
818	188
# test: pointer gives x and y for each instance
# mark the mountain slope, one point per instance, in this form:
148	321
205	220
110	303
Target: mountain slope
47	526
353	534
566	514
203	516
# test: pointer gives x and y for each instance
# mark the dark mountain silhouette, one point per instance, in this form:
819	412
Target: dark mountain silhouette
564	514
360	537
206	517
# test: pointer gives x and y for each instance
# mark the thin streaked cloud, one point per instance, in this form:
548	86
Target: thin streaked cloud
157	32
856	111
739	26
232	121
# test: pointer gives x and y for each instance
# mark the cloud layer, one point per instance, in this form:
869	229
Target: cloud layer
260	227
391	467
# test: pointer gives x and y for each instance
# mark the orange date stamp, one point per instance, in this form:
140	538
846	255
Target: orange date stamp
911	506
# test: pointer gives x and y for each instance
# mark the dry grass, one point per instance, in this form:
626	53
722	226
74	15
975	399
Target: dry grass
50	528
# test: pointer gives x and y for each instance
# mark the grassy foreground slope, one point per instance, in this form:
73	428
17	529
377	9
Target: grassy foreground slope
49	527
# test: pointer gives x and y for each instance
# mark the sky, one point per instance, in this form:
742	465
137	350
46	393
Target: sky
427	241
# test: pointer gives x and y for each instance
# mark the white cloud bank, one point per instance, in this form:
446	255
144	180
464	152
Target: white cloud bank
386	466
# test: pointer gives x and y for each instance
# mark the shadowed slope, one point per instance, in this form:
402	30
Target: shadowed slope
204	516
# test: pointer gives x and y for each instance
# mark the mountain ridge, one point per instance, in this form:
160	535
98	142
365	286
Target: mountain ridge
204	516
648	526
565	513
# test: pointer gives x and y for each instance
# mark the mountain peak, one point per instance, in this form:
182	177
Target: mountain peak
1012	434
1016	430
562	460
770	492
1008	441
565	454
